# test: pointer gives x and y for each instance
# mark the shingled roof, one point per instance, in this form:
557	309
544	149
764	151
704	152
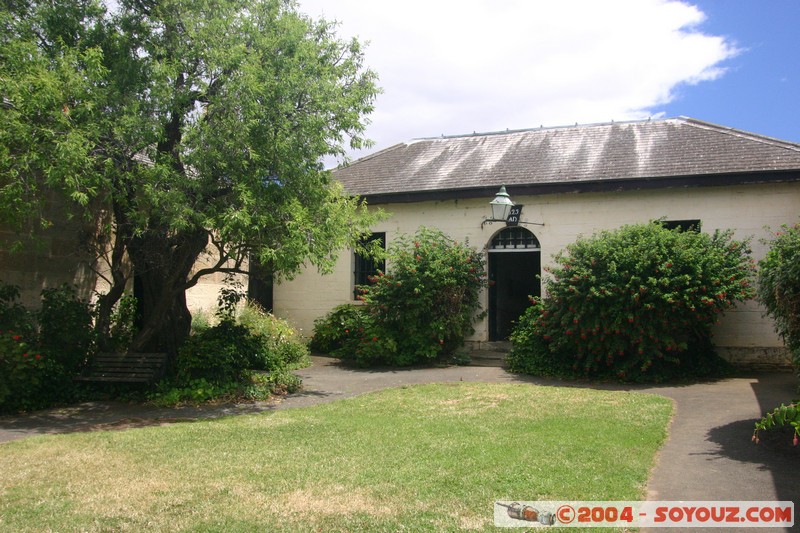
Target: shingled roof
659	153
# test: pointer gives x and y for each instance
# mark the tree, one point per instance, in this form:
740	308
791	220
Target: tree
190	128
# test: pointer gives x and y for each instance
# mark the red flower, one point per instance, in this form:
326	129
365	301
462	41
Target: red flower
16	338
38	356
374	339
24	355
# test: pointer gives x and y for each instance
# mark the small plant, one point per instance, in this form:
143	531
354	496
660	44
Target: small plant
635	304
200	320
780	416
123	323
280	345
230	296
253	387
194	391
244	357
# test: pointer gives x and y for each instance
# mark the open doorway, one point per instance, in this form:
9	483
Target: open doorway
515	262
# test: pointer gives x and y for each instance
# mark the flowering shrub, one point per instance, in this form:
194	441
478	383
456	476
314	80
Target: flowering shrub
636	303
61	329
779	286
338	328
420	310
21	370
779	291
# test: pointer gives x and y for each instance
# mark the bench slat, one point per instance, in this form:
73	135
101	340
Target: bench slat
125	368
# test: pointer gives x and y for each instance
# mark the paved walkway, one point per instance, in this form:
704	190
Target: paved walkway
708	456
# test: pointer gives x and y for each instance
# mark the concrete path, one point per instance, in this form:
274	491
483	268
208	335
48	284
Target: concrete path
708	456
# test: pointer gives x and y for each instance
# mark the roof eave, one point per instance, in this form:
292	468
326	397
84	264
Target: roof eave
598	185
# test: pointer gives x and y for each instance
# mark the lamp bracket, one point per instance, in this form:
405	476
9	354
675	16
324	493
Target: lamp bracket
489	221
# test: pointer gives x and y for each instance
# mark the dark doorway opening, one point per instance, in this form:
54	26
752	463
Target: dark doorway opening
259	284
515	263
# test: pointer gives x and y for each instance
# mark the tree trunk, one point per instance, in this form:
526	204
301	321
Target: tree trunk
119	280
161	267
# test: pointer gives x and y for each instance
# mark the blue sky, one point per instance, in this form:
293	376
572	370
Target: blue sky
451	67
760	88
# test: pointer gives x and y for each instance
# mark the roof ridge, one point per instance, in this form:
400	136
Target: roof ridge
542	128
727	130
367	157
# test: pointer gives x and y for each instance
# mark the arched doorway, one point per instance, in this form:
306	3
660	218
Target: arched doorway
515	261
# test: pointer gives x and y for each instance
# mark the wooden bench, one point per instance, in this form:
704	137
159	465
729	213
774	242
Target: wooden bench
125	368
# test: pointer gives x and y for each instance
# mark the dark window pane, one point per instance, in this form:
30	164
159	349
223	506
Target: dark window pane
365	267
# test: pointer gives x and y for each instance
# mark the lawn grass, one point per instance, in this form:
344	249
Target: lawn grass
417	458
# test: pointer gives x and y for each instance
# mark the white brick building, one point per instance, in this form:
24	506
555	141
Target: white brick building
575	181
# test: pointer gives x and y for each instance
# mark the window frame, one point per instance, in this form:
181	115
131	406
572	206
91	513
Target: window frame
366	267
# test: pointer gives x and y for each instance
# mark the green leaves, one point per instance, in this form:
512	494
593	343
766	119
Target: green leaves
779	285
421	309
780	416
630	303
184	120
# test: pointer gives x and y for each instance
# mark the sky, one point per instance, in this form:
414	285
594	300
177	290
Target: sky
452	67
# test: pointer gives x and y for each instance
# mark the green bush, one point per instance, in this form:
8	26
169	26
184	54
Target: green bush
779	291
779	286
21	371
421	310
253	386
220	354
219	361
336	329
280	345
193	391
636	303
41	351
13	315
65	327
530	354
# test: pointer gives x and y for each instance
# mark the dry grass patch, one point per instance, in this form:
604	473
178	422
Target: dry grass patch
422	458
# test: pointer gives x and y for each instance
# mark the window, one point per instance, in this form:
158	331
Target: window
683	225
364	266
514	239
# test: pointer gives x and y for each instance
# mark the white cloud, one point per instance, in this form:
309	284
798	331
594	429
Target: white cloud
457	66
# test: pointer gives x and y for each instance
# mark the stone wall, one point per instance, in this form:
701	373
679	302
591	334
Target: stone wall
61	253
